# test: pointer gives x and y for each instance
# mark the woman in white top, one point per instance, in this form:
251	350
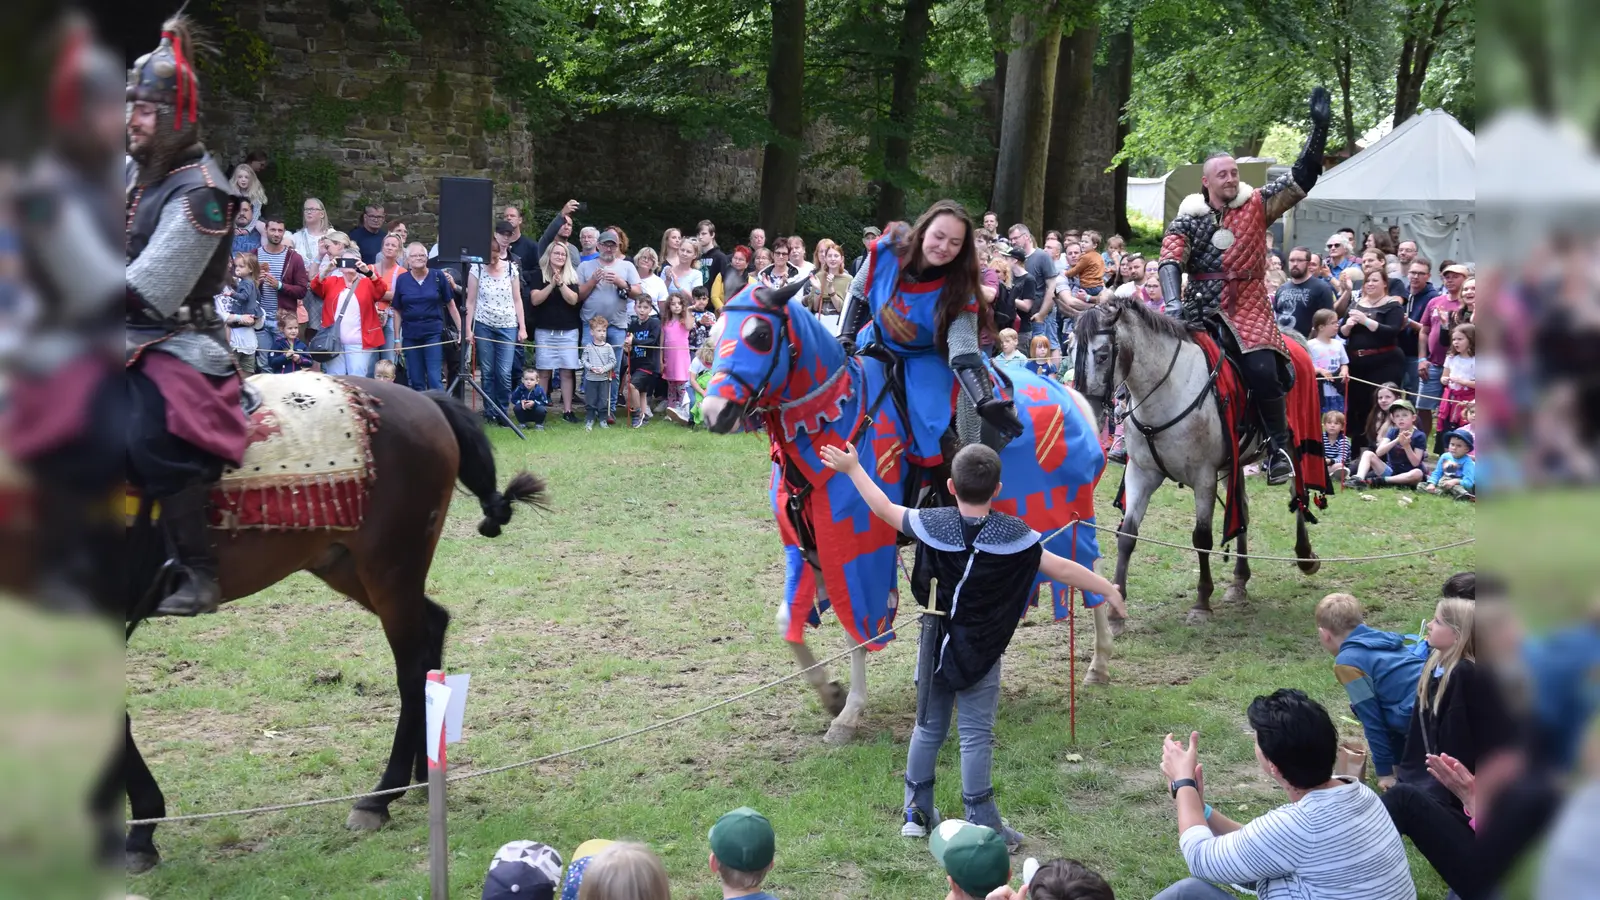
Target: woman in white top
650	284
682	276
495	314
315	218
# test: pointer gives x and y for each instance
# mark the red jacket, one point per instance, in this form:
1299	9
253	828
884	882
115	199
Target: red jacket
368	292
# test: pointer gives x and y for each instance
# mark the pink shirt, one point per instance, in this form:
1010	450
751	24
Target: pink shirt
1438	343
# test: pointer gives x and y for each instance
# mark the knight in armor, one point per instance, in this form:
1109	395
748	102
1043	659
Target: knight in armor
1219	239
917	295
185	419
61	418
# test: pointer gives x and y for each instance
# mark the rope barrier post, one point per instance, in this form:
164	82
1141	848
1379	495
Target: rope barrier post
438	842
1072	666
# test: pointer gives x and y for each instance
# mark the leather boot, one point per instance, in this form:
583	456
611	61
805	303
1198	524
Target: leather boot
1280	440
195	589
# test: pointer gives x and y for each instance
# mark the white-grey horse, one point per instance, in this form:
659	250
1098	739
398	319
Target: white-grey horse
1173	430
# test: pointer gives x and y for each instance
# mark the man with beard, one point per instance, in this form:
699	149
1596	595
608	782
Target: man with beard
184	417
1219	236
1302	295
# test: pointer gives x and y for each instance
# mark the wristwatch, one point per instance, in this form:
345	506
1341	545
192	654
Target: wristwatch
1182	783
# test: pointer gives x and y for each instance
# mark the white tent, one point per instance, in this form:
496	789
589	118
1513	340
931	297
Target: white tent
1148	197
1421	176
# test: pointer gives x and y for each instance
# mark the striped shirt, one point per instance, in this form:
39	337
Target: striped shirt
1333	844
272	262
1337	453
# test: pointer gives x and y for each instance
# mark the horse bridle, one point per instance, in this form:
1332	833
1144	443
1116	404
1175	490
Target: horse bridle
781	336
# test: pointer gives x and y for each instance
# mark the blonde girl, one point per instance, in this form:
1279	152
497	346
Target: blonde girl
671	240
625	872
245	182
1460	378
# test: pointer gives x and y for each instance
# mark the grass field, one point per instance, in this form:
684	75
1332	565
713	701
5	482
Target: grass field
649	590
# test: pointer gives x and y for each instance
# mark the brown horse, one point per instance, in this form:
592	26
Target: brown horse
422	444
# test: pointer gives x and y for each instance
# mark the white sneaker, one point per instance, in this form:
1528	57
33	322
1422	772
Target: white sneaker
917	825
588	426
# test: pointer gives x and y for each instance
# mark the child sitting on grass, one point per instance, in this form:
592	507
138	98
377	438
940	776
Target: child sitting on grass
1379	673
989	560
1455	475
700	380
1398	458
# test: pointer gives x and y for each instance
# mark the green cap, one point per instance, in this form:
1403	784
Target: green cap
974	856
1402	403
743	840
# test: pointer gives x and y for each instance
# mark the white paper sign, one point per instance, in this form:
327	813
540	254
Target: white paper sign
457	707
438	699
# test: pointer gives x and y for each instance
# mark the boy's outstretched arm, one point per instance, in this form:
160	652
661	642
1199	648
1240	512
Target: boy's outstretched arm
848	464
1064	570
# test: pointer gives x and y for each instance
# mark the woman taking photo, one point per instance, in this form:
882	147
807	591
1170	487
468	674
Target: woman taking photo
1371	334
350	292
495	315
555	322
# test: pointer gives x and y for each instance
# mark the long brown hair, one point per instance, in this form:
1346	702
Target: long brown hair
961	278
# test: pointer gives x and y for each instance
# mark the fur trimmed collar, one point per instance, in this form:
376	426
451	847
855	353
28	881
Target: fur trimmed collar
1196	205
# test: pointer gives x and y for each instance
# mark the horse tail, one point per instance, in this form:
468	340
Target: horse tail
476	469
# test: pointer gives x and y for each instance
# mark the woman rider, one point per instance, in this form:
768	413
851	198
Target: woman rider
920	287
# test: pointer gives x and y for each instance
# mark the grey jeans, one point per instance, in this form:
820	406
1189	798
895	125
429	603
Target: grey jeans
976	707
1194	889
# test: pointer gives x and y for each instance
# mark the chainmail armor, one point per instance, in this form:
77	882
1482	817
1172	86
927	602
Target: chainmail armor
170	266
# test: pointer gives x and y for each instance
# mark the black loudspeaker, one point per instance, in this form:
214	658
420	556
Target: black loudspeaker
466	218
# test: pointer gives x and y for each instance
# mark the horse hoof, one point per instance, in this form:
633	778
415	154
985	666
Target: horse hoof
138	862
1236	594
833	697
839	734
1198	616
1096	677
366	819
1118	626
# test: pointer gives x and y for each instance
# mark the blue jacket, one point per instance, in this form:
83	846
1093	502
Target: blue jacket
520	393
1468	473
1565	666
1380	674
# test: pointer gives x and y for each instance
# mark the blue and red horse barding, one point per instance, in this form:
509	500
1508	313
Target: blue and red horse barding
775	360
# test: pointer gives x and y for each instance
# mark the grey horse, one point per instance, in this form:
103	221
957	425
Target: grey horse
1123	343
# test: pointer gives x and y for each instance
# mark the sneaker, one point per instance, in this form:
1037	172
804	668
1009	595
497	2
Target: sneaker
918	825
538	428
607	423
570	417
677	416
637	422
1014	838
588	426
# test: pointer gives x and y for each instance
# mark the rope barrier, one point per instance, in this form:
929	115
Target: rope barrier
1403	392
466	776
1255	556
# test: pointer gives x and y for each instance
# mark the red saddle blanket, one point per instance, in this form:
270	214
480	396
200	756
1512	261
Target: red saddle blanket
1305	420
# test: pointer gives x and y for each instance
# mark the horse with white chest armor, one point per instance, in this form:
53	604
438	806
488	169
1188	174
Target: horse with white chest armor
778	362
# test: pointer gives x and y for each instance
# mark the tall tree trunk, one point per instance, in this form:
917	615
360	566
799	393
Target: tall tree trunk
1025	123
907	75
1422	38
1074	84
1122	53
999	33
780	164
1345	66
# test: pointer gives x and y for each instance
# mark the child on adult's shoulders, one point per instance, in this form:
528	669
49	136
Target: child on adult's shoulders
1398	458
1455	474
1379	673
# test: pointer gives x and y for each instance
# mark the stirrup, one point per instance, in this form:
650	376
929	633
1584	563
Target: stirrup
1280	468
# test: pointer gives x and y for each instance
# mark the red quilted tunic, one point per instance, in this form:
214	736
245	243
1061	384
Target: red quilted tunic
1232	279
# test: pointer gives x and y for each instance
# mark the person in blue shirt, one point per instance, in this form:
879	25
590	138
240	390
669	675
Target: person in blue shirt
1379	673
1398	458
1455	474
422	301
289	353
528	400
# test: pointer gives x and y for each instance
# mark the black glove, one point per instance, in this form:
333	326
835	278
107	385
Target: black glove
1001	415
1309	166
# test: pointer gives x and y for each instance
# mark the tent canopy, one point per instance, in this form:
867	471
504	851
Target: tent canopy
1421	176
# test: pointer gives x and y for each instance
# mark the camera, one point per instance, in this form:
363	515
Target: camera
583	206
347	262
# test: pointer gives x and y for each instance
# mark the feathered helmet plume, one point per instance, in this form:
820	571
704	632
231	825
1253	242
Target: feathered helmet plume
166	75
